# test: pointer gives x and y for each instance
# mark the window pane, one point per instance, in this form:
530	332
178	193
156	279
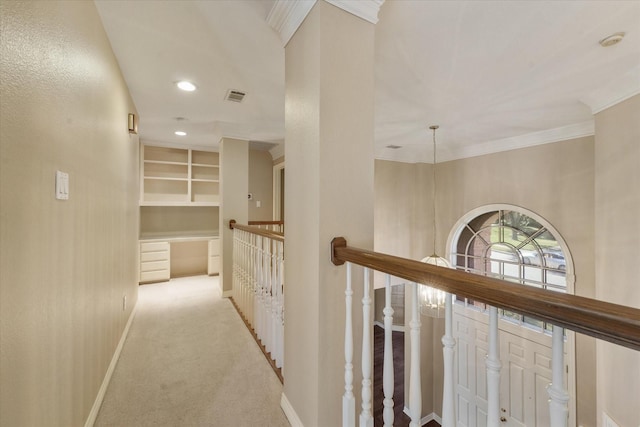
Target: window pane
535	323
510	316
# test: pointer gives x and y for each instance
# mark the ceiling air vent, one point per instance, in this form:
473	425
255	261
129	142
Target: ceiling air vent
394	147
235	95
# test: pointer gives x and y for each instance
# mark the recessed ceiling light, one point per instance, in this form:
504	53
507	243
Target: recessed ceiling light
612	39
180	133
187	86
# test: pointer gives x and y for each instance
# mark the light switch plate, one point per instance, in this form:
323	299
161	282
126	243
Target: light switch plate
62	185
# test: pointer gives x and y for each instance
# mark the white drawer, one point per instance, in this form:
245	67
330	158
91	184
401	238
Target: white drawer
154	266
154	246
214	247
154	256
154	276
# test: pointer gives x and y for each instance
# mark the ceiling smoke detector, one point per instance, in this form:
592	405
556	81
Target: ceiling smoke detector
235	95
612	39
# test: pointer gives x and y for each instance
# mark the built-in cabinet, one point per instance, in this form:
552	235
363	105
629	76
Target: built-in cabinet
178	177
214	257
154	261
157	263
179	200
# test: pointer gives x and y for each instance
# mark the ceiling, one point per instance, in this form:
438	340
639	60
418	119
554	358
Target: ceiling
495	75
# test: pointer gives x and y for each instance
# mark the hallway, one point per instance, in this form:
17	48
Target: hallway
190	361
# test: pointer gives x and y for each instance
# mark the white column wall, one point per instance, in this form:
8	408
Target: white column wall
617	234
329	192
234	188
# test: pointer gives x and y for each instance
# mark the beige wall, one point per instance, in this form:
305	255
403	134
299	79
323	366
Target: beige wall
617	207
260	185
329	134
178	220
554	180
64	265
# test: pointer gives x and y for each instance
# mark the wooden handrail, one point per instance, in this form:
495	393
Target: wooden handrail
615	323
275	235
265	223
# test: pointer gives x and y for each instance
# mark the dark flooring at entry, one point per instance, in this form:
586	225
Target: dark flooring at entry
400	418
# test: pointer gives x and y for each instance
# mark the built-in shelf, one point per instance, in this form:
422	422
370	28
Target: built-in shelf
179	177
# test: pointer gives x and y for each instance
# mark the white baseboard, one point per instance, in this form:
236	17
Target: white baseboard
107	377
395	328
293	418
227	294
429	417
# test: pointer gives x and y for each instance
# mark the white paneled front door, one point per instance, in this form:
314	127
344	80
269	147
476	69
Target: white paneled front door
526	372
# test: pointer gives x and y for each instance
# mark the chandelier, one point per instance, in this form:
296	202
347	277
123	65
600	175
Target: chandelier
432	301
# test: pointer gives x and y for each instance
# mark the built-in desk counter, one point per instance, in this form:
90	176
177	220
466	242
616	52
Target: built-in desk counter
170	255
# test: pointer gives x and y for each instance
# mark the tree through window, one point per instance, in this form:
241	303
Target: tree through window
511	245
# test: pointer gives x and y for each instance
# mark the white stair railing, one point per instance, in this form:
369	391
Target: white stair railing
611	322
258	285
387	373
366	416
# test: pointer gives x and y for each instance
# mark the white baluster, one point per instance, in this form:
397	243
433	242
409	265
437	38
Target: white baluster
266	290
280	305
245	272
387	374
272	296
415	380
366	417
448	342
493	371
259	296
558	396
348	399
252	280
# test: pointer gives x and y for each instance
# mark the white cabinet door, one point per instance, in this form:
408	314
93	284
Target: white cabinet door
214	256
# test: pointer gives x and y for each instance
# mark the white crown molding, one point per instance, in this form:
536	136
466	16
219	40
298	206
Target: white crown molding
277	151
548	136
365	9
618	90
286	16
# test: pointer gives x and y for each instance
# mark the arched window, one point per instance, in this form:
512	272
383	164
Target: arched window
511	244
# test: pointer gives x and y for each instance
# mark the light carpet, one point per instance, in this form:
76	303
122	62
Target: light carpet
190	361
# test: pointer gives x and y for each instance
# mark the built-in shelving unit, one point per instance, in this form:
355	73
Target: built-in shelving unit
178	177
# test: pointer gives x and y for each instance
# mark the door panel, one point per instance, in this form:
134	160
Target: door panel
523	388
471	375
524	377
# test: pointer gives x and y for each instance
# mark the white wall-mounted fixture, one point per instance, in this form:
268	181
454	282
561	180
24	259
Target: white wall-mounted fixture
132	123
62	185
186	86
180	133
